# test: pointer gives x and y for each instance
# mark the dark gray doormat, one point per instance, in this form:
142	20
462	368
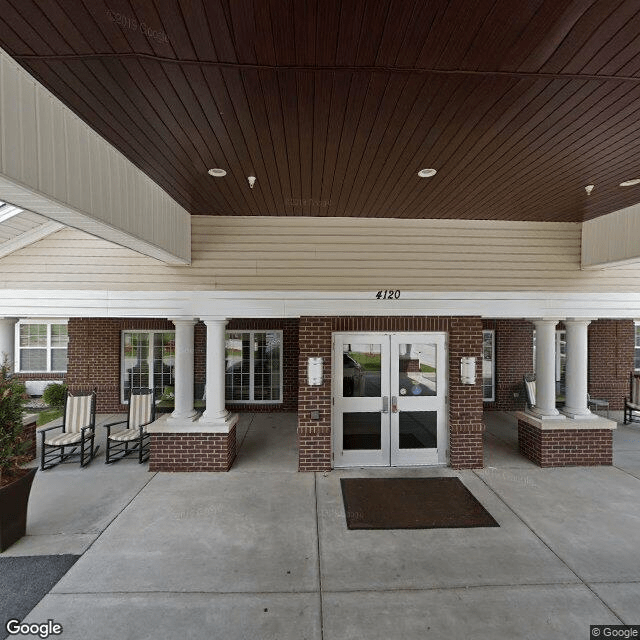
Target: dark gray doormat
411	503
25	580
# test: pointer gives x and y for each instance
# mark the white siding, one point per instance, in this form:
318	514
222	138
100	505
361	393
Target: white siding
612	239
52	163
327	254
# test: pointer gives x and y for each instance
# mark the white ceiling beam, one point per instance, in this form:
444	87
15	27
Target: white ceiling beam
54	164
612	240
8	211
29	237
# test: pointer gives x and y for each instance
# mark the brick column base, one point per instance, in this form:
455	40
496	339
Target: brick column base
192	451
565	447
29	435
466	449
314	448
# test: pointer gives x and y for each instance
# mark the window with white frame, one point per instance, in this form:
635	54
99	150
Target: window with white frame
41	346
488	365
253	367
147	362
636	359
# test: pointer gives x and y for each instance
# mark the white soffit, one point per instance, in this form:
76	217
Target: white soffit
612	240
19	228
54	164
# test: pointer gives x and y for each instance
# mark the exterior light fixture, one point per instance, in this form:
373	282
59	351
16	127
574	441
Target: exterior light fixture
217	173
427	173
630	183
589	189
251	180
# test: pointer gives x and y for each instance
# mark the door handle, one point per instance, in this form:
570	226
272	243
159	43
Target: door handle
394	404
385	404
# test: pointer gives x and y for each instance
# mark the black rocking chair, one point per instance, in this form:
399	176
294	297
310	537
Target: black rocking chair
78	433
632	403
133	438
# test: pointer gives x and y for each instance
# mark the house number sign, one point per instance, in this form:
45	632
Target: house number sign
388	294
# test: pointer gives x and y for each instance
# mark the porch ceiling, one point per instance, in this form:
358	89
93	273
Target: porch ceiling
334	106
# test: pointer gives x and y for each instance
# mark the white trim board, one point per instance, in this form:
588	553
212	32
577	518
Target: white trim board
292	304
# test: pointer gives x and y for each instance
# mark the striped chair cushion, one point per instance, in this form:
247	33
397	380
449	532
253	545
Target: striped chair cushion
78	413
531	390
140	410
125	435
64	438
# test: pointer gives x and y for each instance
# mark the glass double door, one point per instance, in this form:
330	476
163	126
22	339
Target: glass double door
389	399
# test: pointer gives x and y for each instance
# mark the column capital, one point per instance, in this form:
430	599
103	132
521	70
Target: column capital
184	320
213	320
546	321
578	321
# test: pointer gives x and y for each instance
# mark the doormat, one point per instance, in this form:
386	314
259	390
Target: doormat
411	503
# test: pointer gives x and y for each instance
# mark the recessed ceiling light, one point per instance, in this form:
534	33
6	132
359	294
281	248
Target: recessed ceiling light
217	173
427	173
630	183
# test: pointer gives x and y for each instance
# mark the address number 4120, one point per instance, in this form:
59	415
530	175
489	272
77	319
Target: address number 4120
388	294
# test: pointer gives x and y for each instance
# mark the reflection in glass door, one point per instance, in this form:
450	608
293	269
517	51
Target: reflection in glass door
389	399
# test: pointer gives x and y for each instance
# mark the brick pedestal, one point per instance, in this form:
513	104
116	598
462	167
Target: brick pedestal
29	435
564	446
192	451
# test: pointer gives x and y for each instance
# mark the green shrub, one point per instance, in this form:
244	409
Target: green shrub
55	394
12	399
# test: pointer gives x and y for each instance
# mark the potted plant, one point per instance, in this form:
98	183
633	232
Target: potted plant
15	481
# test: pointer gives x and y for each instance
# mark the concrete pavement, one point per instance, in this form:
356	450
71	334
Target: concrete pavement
263	551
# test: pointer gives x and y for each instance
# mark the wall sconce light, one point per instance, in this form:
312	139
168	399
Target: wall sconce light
468	370
314	372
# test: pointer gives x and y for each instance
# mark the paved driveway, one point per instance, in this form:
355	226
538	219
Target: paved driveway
263	552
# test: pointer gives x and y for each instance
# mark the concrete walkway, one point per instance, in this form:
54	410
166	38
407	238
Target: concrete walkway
263	552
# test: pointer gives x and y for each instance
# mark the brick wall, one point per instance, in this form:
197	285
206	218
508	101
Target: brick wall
611	360
465	401
513	359
314	436
565	447
94	357
192	451
466	425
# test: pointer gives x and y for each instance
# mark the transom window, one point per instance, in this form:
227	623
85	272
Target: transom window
253	367
147	361
42	346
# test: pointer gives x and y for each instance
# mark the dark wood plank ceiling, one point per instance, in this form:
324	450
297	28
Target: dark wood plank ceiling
336	105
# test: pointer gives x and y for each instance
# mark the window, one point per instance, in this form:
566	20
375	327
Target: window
147	362
636	359
488	366
41	346
253	366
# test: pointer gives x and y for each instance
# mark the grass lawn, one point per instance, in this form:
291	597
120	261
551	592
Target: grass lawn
425	368
47	416
369	361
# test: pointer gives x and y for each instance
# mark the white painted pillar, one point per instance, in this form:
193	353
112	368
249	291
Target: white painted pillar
7	341
216	412
183	372
545	406
577	370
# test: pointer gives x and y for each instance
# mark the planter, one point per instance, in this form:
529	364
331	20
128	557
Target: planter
14	499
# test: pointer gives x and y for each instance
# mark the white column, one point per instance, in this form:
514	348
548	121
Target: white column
183	372
545	406
216	412
577	370
7	341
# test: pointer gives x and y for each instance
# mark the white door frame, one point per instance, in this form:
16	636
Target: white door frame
389	454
